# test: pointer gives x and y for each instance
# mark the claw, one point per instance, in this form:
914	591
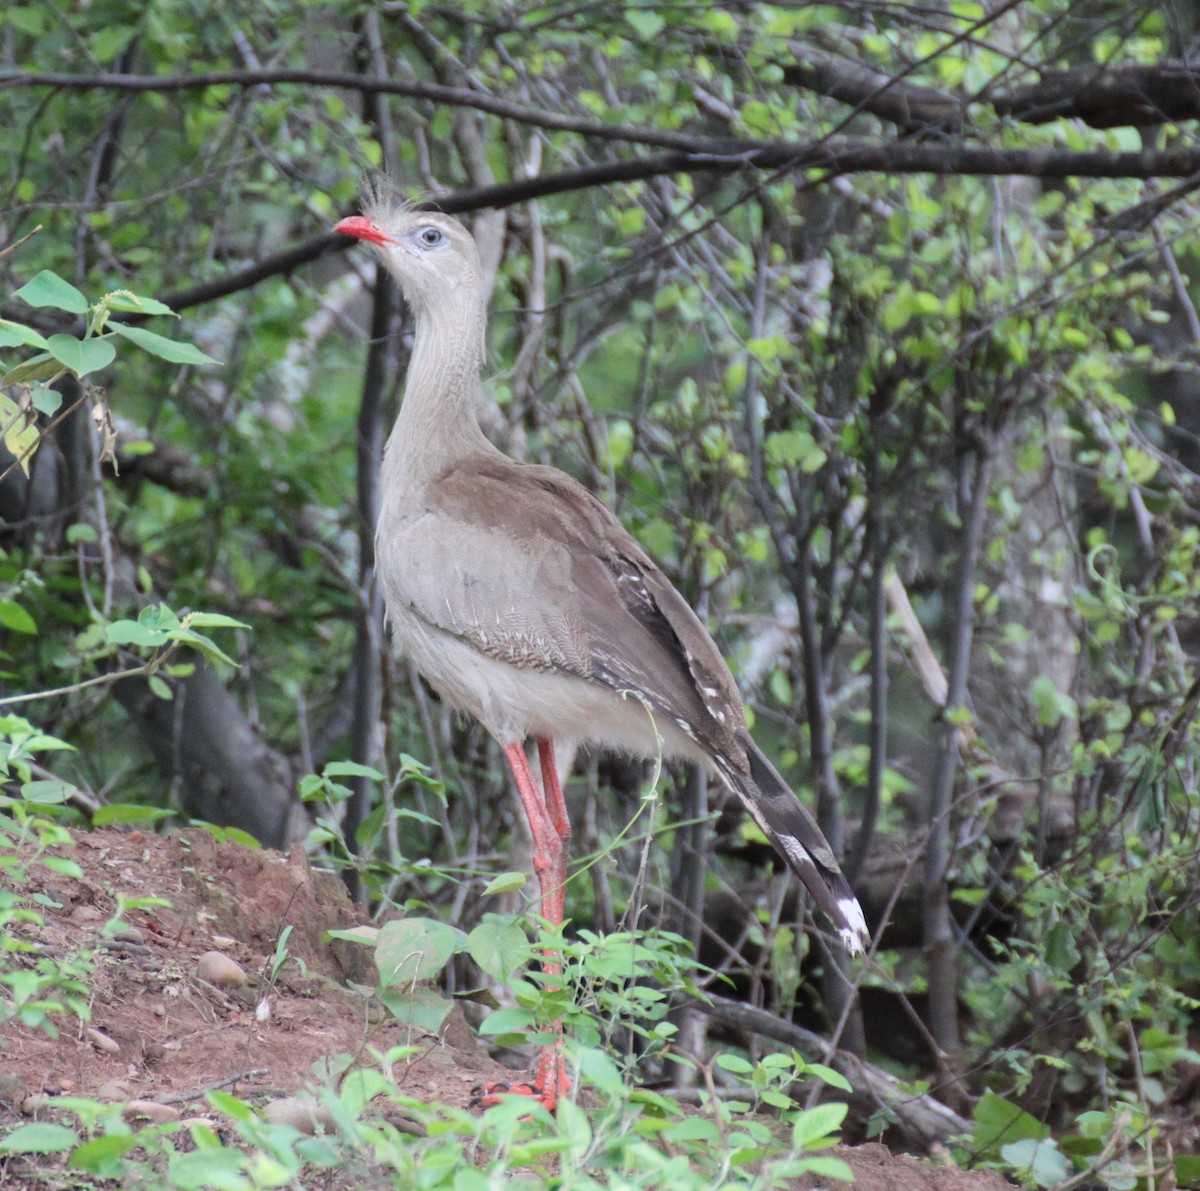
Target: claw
550	1083
488	1094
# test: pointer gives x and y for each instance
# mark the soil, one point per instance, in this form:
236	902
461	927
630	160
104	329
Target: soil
159	1032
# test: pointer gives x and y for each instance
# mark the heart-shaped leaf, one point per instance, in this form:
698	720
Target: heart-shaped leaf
81	356
48	289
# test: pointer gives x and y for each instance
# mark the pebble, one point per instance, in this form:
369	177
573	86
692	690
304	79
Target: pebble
150	1110
35	1102
102	1041
304	1113
112	1090
220	970
128	934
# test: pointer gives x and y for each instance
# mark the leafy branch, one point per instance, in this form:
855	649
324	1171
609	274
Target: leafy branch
62	353
156	628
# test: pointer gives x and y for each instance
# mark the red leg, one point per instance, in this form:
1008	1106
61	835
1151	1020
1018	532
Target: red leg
549	856
551	832
556	807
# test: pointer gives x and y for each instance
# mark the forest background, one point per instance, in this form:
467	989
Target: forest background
874	322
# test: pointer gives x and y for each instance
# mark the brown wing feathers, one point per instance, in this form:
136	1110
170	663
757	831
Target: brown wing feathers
705	703
634	632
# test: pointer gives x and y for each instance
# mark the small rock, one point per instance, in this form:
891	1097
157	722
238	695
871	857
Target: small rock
35	1103
220	970
304	1113
128	934
112	1090
205	1122
102	1041
85	915
150	1110
224	942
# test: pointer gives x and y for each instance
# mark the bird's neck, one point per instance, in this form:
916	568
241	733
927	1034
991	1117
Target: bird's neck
438	423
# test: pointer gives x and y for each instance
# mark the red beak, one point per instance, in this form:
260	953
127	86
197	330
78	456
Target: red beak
361	228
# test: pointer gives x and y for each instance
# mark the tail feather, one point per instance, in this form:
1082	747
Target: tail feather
796	837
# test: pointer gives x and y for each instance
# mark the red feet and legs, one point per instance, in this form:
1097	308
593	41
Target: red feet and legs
551	830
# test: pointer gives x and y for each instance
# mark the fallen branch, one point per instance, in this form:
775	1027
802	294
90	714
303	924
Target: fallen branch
199	1093
925	1119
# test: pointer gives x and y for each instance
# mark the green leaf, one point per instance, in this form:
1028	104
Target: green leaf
38	369
415	949
826	1166
1042	1159
1187	1170
202	645
596	1068
19	335
81	531
21	432
46	400
508	1021
218	1167
231	1106
81	356
128	303
795	448
130	632
422	1008
353	769
43	1138
109	41
361	1086
498	946
368	936
13	616
235	835
998	1121
96	1154
835	1079
815	1127
646	24
734	1063
48	289
170	350
1050	704
693	1129
160	689
213	620
127	812
504	882
64	865
46	791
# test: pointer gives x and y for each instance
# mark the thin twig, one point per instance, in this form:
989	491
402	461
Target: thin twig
198	1093
146	670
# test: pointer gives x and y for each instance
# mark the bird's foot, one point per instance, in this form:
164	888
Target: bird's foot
549	1084
488	1094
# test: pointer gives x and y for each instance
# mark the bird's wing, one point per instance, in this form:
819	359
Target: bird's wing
530	568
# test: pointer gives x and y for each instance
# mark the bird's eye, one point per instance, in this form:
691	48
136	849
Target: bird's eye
431	237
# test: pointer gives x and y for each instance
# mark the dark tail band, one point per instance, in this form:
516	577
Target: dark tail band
796	837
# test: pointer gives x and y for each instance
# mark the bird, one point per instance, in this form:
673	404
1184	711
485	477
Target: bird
525	603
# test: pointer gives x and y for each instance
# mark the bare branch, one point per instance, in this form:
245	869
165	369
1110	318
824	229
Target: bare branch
909	105
1108	96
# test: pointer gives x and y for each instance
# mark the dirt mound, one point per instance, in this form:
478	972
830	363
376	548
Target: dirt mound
176	1033
160	1031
